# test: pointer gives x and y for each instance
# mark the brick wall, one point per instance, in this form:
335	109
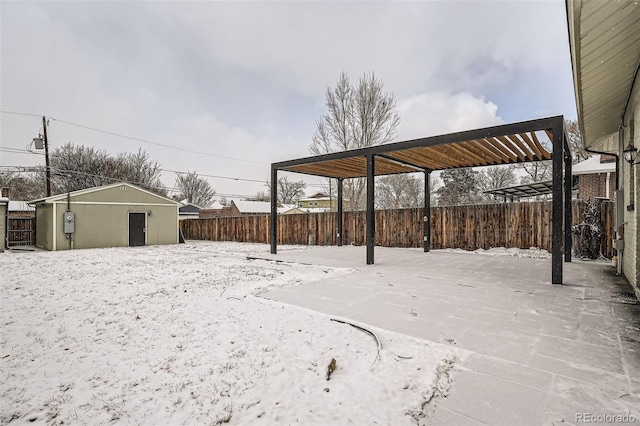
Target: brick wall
595	185
631	182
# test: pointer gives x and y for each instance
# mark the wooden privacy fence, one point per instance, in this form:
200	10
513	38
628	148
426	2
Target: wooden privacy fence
521	225
21	231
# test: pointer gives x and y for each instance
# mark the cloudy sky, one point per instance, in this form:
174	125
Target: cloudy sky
238	85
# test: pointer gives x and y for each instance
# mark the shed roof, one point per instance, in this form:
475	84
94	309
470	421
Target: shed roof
504	144
63	196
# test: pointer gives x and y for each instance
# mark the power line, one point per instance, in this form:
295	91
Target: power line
16	151
156	143
22	113
120	135
19	151
215	176
237	179
61	173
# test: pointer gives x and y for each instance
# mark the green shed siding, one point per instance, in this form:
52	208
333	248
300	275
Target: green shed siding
102	218
44	226
107	225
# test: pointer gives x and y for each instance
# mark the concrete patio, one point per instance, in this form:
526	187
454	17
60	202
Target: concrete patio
532	352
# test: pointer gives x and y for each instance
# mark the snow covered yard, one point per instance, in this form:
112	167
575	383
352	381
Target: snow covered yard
176	335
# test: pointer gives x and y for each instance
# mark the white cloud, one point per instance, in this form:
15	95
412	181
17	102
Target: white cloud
431	114
247	79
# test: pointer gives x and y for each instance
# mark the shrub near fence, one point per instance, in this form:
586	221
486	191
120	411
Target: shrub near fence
521	225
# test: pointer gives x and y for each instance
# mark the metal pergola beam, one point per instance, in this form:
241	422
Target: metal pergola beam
501	130
403	162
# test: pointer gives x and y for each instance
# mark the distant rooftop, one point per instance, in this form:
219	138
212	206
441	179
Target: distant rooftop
253	206
593	165
20	206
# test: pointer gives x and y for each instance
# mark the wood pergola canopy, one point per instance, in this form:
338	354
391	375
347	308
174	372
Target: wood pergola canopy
505	144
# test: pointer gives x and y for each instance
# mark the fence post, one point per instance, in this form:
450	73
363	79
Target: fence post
339	212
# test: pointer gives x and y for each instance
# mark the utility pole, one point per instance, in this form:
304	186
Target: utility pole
46	153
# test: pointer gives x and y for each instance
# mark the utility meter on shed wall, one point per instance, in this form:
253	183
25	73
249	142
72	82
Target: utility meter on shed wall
69	222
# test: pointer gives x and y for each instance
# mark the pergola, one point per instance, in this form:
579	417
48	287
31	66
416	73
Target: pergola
504	144
525	190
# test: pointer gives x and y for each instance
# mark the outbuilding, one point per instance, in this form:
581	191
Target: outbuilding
116	215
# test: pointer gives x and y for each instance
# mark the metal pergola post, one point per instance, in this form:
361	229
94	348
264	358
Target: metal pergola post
274	210
339	213
371	214
557	217
426	220
568	206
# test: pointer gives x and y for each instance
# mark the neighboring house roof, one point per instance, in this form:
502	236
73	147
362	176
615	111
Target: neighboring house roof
317	199
604	37
318	195
20	206
253	206
289	209
215	206
315	209
593	165
63	196
189	208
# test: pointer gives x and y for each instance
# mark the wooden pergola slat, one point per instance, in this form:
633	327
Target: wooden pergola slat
531	145
545	154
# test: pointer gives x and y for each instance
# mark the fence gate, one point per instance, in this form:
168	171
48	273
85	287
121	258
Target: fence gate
21	231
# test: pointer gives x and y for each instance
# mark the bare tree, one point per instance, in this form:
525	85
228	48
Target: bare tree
578	151
75	167
357	117
460	186
536	171
289	191
195	189
23	186
261	196
399	192
497	177
140	170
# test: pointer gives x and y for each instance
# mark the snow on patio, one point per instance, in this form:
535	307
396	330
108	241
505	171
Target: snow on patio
176	335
